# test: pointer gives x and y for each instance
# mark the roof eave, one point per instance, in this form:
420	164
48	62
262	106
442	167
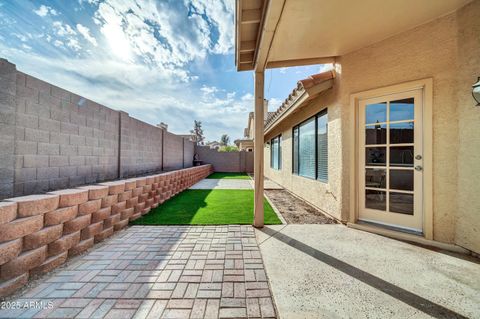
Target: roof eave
304	95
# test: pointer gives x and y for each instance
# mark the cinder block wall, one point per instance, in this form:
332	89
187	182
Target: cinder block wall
53	139
188	153
39	232
141	147
61	139
173	157
8	91
226	161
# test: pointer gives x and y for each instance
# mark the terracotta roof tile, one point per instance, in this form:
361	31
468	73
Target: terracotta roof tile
302	86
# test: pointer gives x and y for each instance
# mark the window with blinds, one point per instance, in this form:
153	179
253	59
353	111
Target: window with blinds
276	153
322	147
295	150
306	149
310	147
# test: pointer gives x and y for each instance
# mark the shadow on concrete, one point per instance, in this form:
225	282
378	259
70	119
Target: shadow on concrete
416	301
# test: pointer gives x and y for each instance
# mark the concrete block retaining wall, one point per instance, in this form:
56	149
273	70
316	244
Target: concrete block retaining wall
39	232
52	139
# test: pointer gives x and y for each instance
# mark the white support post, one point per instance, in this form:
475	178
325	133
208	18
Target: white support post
258	149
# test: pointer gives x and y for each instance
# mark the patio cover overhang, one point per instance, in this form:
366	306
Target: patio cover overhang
285	33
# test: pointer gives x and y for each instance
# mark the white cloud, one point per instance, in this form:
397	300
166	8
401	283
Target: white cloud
161	34
220	14
247	97
63	29
167	36
91	2
273	104
85	32
325	67
208	90
21	37
73	44
65	36
44	10
140	61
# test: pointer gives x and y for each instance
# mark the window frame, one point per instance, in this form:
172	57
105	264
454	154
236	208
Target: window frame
279	138
296	162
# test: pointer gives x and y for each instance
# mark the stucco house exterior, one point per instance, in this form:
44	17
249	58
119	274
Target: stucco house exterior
387	140
246	143
189	137
213	145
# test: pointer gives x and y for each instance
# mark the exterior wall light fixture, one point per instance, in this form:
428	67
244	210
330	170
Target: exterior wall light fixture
476	91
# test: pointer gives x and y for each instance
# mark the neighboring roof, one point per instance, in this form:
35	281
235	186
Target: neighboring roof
246	131
237	142
306	90
269	115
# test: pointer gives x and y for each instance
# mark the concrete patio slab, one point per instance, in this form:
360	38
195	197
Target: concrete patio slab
157	272
331	271
223	184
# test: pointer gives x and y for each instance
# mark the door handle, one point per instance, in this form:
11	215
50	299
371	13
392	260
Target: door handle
418	168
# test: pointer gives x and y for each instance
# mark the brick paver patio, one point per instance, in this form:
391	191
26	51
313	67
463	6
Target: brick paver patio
158	272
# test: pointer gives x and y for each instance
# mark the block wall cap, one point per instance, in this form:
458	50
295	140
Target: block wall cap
8	212
32	205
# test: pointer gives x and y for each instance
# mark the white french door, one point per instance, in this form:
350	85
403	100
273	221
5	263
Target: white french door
391	160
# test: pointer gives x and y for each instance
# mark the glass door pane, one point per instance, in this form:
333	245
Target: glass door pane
390	141
389	145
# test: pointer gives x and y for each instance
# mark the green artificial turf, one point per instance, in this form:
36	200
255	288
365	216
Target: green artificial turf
208	207
224	175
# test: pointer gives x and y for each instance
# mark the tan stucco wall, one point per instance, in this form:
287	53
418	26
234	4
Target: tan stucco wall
244	145
468	211
428	51
325	196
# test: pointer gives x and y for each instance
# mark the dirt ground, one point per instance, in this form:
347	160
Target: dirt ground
296	211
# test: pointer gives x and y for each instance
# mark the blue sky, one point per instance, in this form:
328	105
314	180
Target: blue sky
160	61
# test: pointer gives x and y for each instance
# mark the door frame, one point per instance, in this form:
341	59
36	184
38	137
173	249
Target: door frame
426	86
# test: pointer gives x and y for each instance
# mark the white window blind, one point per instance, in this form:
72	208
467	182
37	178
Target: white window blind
295	150
322	147
306	141
310	148
275	153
